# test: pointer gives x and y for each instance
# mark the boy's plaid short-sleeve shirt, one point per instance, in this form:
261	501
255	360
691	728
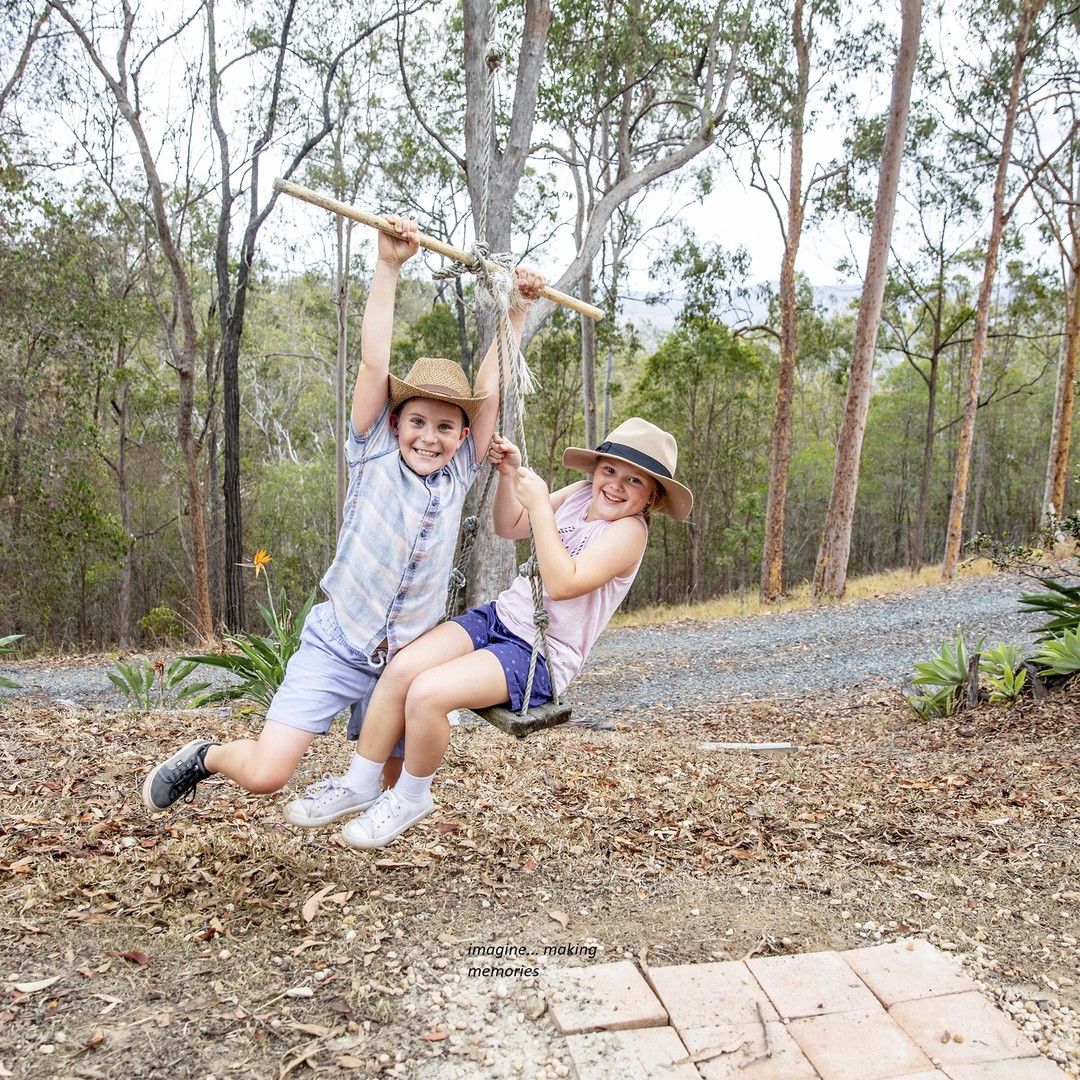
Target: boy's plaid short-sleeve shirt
396	548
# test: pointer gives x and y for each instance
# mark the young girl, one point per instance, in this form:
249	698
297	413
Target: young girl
589	539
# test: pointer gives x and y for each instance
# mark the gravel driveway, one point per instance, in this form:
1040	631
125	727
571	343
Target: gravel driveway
835	651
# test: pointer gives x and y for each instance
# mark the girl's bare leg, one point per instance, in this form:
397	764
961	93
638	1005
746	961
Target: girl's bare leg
468	682
384	720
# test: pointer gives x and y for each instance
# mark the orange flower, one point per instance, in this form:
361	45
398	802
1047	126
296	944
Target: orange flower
261	560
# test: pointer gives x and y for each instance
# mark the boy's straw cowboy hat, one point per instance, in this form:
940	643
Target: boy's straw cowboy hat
648	448
439	379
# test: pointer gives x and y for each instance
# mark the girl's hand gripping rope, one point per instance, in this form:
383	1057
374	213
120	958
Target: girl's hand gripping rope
528	285
531	491
504	456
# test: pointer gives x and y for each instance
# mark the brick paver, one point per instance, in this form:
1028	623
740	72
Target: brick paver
637	1054
699	995
811	984
865	1045
961	1029
901	1011
738	1053
604	997
906	970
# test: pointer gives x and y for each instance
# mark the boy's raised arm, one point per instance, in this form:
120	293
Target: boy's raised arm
529	283
377	329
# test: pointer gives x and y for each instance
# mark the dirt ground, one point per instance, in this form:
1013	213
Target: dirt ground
217	942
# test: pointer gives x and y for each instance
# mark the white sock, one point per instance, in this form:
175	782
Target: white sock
413	788
363	775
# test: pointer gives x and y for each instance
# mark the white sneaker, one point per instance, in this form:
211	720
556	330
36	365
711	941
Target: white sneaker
389	816
327	801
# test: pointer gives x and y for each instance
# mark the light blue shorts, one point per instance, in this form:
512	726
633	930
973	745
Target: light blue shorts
325	675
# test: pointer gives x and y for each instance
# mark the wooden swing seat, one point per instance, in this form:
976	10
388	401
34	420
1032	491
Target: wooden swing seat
536	719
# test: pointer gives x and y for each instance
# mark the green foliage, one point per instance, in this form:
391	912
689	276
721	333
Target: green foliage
1062	602
1006	676
161	623
260	662
7	644
1059	655
153	684
946	676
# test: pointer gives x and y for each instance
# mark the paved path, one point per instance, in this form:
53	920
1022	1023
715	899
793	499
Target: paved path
901	1010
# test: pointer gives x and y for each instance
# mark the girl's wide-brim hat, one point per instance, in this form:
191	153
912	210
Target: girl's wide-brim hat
439	379
648	448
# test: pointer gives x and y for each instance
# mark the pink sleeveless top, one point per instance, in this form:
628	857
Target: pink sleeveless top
574	624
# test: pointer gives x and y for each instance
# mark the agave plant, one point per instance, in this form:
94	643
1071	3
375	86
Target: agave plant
7	644
946	676
1006	676
1059	655
1062	602
154	684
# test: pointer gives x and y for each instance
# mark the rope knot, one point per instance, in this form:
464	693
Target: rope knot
457	579
529	567
494	55
541	619
470	525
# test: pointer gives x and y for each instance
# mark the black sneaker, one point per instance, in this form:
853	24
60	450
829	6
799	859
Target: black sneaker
177	777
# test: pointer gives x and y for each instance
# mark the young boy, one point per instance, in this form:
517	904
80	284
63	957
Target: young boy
414	448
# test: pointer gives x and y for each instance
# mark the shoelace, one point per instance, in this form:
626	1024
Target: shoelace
322	789
184	778
386	809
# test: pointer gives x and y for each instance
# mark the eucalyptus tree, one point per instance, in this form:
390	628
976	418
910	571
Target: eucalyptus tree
662	115
1021	21
928	310
288	70
121	54
22	27
782	115
830	571
1056	192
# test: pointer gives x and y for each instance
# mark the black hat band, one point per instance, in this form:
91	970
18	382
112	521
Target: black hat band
635	457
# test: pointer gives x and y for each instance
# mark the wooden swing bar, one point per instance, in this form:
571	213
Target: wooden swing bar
354	213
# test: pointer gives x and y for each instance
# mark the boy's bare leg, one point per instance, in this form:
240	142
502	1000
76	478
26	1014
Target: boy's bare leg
262	765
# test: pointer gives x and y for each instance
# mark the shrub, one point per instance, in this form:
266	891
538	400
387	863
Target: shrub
945	676
1006	676
1062	602
1059	655
162	624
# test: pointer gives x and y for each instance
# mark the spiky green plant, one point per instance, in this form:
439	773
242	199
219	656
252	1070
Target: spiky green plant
1059	655
946	676
1006	676
1062	602
155	684
7	644
260	662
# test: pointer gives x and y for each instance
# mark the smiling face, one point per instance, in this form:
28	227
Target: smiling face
428	433
620	490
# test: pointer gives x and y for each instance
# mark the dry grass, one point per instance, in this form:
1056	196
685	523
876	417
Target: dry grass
174	938
798	599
